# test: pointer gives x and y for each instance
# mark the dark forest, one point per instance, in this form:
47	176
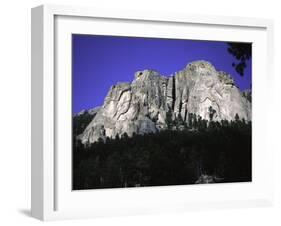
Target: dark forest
179	155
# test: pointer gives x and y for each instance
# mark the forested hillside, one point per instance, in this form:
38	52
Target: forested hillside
170	157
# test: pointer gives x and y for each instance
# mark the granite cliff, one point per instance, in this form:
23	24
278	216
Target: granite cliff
144	105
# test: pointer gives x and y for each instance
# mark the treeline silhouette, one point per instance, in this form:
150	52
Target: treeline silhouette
170	157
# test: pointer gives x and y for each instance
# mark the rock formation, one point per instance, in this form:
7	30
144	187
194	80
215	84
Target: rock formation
92	111
143	105
208	179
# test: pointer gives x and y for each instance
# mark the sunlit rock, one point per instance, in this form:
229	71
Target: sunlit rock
143	105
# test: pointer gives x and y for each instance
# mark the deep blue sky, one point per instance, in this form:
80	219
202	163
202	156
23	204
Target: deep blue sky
101	61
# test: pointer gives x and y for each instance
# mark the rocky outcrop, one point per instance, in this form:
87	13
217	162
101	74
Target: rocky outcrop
92	111
144	105
208	179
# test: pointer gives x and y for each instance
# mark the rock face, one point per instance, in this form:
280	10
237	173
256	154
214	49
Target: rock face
92	111
144	105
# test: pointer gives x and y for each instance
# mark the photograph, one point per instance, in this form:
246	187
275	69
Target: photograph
150	111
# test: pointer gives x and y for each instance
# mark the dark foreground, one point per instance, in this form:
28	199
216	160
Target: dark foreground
172	157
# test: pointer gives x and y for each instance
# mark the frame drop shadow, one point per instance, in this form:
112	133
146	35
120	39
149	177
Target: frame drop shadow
26	212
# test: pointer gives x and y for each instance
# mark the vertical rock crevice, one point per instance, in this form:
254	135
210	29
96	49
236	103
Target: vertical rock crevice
173	92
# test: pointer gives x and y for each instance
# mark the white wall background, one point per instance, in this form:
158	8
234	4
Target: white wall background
15	112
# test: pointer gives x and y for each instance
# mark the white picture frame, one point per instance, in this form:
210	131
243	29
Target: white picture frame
52	197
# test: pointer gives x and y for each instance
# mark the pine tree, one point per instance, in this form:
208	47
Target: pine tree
179	121
190	119
211	113
236	117
169	120
195	122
